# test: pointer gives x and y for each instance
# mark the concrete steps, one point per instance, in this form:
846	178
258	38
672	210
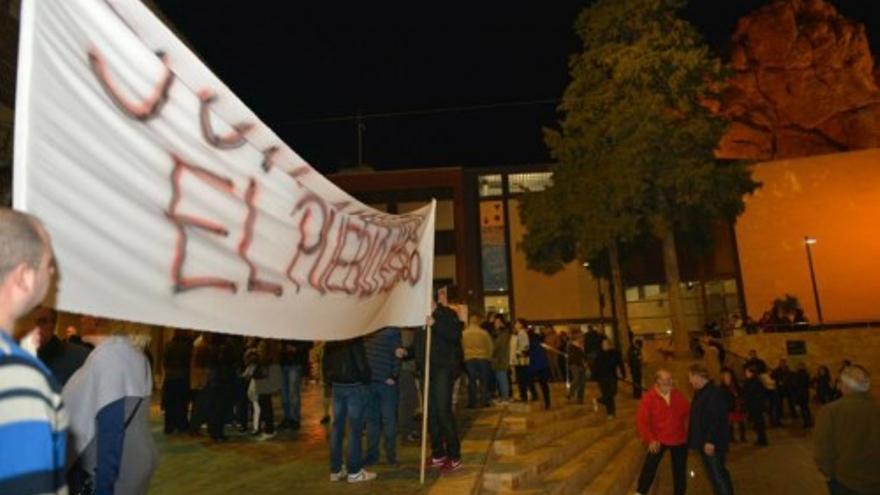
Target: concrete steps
524	441
570	478
521	471
563	451
619	472
522	417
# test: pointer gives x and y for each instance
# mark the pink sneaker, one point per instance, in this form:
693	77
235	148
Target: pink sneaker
451	466
437	462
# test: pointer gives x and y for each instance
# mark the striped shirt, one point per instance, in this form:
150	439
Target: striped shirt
33	424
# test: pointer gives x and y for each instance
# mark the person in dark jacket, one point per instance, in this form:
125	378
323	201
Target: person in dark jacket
592	344
539	365
708	431
221	386
782	375
345	366
800	393
736	414
294	359
577	362
62	358
824	387
381	417
175	386
445	366
634	360
756	363
755	395
607	370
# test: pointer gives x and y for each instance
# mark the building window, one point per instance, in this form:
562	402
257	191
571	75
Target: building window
493	246
534	181
490	185
497	304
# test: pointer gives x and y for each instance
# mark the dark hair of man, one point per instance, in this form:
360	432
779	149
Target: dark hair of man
20	241
699	370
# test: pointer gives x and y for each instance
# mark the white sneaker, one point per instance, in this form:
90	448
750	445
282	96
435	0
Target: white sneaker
362	475
266	436
340	476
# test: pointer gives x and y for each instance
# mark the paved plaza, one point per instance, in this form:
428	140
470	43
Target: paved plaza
299	462
784	467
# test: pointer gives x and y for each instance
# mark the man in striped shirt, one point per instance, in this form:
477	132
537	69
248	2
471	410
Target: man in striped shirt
33	424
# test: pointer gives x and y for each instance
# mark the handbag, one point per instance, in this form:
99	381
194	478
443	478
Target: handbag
81	481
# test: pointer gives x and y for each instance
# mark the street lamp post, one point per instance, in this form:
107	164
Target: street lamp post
809	241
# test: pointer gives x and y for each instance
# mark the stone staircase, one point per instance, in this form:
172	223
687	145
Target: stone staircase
569	449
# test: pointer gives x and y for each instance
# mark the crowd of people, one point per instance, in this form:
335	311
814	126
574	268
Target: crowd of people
99	383
75	411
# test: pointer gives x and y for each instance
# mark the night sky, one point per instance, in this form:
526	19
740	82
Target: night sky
299	65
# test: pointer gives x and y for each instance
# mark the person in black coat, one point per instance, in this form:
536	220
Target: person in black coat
800	393
445	365
346	368
592	344
756	363
822	382
62	358
175	387
708	431
607	369
634	359
755	395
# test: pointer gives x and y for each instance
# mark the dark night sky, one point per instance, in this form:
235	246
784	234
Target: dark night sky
297	62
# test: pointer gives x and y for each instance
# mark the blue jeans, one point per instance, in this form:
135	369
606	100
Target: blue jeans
349	404
503	386
291	381
717	473
381	418
478	370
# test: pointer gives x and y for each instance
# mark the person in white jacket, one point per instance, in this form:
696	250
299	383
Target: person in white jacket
521	361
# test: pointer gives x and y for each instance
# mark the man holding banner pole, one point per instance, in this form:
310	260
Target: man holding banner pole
438	350
445	365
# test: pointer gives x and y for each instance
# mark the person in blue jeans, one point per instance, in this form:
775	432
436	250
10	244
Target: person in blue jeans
345	366
381	415
294	363
477	348
708	430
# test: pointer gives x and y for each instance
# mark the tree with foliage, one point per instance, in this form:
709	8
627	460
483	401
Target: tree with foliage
635	145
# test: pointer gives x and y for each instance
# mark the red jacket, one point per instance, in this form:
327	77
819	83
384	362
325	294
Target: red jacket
666	423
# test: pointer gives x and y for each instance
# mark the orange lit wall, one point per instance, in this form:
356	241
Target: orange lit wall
569	294
834	198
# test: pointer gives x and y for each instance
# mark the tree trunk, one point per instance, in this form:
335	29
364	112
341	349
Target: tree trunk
673	281
620	314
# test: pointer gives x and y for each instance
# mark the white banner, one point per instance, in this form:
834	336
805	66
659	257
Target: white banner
169	202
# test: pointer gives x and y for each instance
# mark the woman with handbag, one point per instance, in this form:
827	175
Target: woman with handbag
108	401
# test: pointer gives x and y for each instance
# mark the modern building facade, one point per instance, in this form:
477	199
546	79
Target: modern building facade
478	233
